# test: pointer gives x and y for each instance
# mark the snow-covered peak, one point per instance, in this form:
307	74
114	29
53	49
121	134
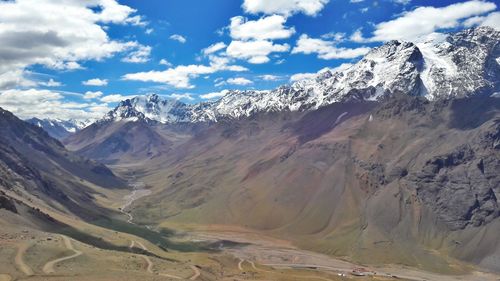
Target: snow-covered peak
59	128
458	65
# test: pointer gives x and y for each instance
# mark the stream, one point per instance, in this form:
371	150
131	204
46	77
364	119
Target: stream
136	194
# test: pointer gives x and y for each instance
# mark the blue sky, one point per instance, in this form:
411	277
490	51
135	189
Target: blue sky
97	52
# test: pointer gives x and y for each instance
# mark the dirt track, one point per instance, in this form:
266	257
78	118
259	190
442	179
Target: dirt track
20	261
49	267
280	256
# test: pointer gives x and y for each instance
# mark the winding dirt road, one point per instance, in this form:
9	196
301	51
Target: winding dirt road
20	261
136	194
308	277
240	263
49	267
196	273
150	264
146	258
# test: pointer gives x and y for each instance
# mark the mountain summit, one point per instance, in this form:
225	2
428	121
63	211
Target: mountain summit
462	64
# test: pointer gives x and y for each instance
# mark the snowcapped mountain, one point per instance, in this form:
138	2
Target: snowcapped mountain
462	64
58	128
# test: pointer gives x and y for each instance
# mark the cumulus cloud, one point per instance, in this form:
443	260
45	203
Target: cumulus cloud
139	55
178	38
266	28
239	81
180	76
426	20
92	95
270	77
256	51
214	95
73	32
48	104
492	20
115	98
50	83
326	50
185	96
214	48
284	7
165	62
336	36
357	36
95	82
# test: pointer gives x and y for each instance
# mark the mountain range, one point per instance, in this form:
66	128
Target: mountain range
58	128
392	160
458	65
394	155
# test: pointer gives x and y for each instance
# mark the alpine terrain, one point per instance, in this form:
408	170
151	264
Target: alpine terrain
383	166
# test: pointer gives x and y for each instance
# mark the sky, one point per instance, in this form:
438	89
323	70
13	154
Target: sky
76	59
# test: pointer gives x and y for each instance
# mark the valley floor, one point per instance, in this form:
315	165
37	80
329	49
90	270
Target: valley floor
226	253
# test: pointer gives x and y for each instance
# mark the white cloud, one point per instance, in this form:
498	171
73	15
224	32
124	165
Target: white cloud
492	20
220	63
270	77
214	95
357	36
312	75
336	36
57	34
214	48
50	83
303	76
284	7
165	62
178	77
266	28
92	95
113	12
139	55
425	20
178	38
255	52
326	49
185	96
356	1
15	78
48	104
404	2
239	81
115	98
95	82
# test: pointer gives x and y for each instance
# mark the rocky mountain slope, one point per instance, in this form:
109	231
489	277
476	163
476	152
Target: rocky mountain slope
393	160
461	65
57	128
35	165
371	182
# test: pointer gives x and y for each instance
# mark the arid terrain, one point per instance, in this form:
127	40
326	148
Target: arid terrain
126	156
